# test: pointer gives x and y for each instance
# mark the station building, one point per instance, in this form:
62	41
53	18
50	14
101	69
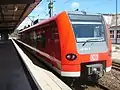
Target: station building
114	30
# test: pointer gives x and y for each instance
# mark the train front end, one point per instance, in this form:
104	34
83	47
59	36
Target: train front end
92	43
91	48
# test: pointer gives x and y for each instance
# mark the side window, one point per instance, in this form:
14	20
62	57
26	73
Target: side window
28	39
38	34
41	39
38	37
32	35
54	31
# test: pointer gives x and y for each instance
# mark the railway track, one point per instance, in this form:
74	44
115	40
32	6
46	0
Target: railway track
78	86
116	66
87	85
101	86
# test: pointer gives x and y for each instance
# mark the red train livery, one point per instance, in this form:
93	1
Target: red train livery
73	44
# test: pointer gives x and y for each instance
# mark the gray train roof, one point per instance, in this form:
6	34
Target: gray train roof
79	16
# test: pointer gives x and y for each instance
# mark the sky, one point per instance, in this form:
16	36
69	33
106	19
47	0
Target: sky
90	6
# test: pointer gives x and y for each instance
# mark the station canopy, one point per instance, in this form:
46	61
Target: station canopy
13	12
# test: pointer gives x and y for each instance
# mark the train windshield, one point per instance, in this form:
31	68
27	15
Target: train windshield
93	31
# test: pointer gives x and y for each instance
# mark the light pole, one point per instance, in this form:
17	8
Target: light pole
50	6
116	24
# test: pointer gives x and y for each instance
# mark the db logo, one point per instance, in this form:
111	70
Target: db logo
94	57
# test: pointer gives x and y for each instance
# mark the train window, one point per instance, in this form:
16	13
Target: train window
32	35
88	30
52	33
41	39
38	36
53	30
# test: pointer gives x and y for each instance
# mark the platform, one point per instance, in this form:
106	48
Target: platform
12	75
44	79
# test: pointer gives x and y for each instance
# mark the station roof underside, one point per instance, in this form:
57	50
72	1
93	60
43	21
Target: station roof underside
13	13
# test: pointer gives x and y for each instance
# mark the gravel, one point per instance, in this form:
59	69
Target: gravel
111	80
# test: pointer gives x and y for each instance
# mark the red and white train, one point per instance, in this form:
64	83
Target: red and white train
73	44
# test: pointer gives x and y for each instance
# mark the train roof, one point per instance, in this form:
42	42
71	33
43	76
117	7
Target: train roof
42	22
82	13
83	16
73	15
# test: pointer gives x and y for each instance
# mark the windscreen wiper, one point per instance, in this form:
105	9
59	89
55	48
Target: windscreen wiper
95	39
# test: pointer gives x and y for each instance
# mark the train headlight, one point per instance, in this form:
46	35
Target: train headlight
71	56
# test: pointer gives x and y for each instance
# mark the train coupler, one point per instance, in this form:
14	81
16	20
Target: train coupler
94	71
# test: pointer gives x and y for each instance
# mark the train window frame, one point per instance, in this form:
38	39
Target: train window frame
52	33
53	26
82	39
105	28
41	38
